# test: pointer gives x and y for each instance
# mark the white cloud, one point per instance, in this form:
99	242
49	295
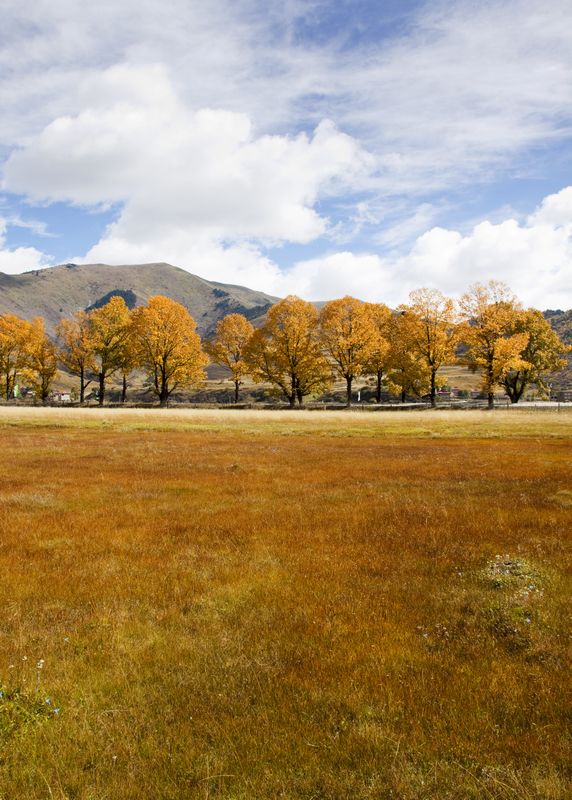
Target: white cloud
462	89
176	111
15	260
555	210
177	171
534	259
366	276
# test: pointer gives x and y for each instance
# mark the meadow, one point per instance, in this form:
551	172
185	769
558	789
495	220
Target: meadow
252	605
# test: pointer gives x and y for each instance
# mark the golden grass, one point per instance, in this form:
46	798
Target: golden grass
517	421
284	606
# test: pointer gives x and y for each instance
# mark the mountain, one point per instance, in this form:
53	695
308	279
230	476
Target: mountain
561	321
57	292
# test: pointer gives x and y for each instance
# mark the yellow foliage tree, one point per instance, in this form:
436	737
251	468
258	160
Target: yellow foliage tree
429	327
41	363
167	346
286	351
108	332
347	331
75	349
490	312
228	346
15	336
542	354
406	372
376	356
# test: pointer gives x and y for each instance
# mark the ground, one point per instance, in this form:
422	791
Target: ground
284	604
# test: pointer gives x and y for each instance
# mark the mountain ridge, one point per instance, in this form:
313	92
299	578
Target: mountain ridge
59	291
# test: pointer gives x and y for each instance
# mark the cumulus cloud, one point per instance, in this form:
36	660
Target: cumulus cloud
199	149
19	259
205	172
459	89
534	258
555	210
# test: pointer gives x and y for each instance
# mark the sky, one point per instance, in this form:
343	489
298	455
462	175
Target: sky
309	147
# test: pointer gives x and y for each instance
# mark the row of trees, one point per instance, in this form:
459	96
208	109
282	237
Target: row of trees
298	350
26	354
159	338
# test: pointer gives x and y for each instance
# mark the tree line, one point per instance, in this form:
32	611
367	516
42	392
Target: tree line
299	350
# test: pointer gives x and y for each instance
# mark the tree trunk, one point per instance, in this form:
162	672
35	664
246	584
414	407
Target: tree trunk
378	388
45	390
101	388
433	390
515	387
124	389
10	383
403	396
236	385
349	390
490	383
293	391
81	386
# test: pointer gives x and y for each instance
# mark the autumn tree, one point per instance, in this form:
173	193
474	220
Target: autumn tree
75	349
542	354
490	312
346	331
15	336
41	363
376	356
108	331
430	331
286	351
407	372
228	346
167	346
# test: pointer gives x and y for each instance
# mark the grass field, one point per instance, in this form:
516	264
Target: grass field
250	605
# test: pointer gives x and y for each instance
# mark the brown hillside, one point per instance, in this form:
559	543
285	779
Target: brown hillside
58	292
561	322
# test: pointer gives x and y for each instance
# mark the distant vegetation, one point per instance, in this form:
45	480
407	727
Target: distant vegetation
297	351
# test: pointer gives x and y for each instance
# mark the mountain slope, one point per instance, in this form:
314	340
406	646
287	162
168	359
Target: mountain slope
57	292
561	322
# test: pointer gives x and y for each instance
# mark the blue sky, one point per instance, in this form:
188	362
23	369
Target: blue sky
305	146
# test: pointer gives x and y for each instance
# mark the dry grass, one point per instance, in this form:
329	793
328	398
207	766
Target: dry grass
515	422
284	606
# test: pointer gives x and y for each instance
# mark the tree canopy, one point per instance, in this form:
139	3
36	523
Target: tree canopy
490	312
228	347
430	331
347	333
542	354
286	351
167	346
